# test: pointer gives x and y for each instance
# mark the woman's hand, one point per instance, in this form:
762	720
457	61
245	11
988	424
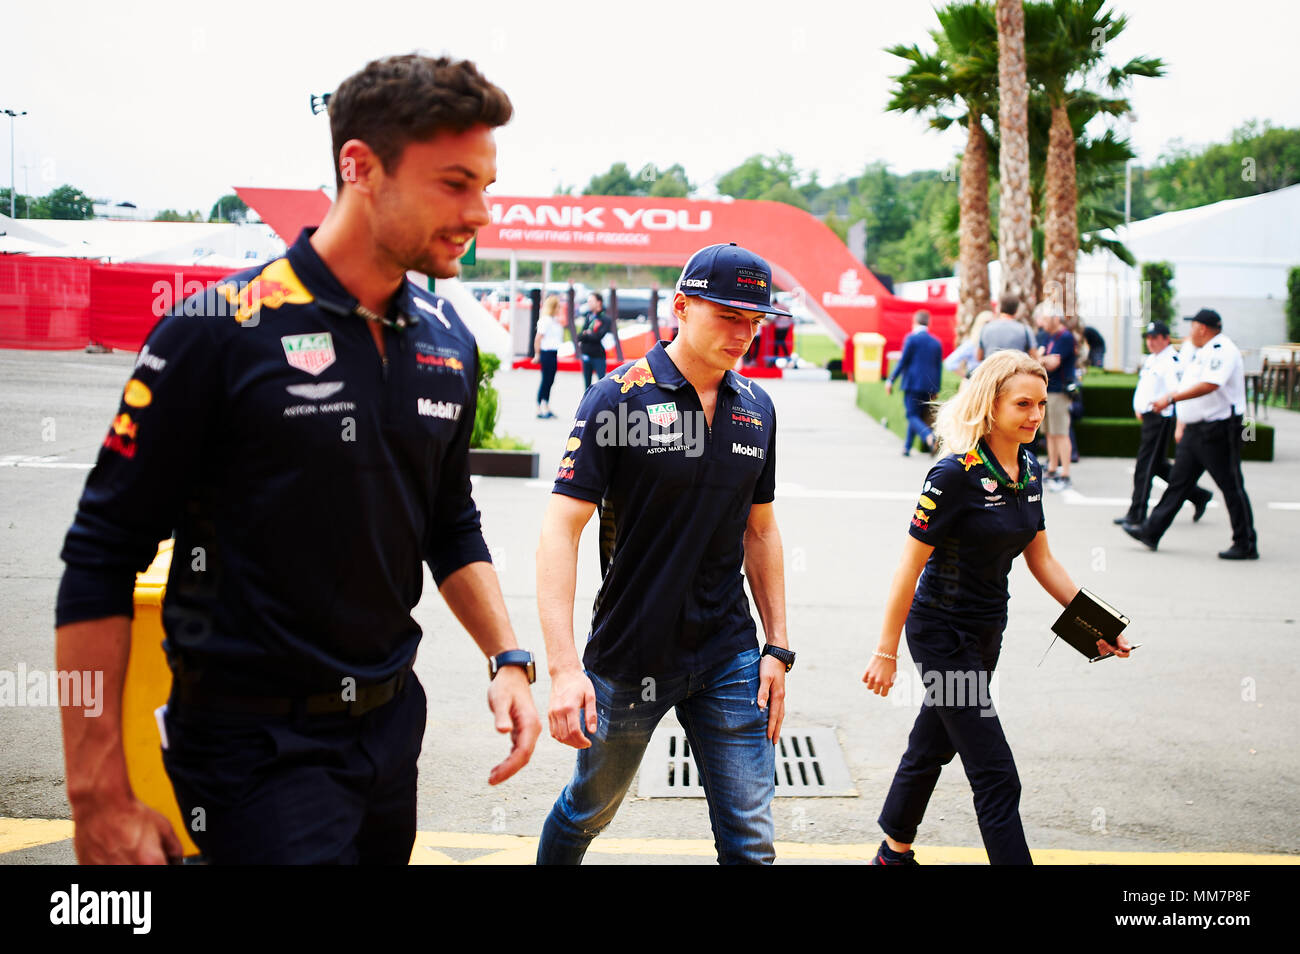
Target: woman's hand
880	674
1121	649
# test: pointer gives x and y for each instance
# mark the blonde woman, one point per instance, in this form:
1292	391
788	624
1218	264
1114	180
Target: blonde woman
550	335
980	507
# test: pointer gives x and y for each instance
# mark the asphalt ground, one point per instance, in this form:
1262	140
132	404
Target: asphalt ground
1188	747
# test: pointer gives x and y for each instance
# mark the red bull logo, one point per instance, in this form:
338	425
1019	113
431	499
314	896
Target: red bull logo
970	460
275	286
121	436
123	426
636	376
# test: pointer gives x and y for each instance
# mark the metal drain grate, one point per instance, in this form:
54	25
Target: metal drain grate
808	763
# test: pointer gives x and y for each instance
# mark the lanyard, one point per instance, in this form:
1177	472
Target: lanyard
990	462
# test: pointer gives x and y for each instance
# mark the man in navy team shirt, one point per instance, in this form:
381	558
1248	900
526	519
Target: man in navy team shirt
679	453
1058	358
921	367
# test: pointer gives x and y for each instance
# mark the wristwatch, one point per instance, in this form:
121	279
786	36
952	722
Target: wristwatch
781	655
513	657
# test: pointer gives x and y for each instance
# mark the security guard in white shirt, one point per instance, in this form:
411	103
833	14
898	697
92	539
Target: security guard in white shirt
1160	375
1211	398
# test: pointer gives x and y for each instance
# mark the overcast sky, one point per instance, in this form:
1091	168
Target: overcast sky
167	105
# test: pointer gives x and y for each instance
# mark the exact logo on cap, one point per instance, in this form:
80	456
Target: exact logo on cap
730	275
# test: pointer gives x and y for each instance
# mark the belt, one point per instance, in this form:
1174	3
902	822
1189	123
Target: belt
189	690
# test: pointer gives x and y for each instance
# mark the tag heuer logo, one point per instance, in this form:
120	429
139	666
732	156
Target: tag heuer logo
662	414
310	353
989	485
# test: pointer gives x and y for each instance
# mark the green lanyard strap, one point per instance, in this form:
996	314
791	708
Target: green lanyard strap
991	464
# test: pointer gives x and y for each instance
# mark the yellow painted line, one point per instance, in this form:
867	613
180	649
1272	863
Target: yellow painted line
522	849
19	833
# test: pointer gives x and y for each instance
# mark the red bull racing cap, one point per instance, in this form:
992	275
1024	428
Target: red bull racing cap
730	275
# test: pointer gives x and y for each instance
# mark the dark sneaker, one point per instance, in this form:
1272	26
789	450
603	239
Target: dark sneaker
1126	520
1139	534
908	858
1201	505
1239	553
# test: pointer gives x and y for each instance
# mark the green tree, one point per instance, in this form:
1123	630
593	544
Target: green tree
24	205
229	208
617	181
68	202
171	215
1158	292
1259	158
672	183
1065	50
759	175
957	82
1293	304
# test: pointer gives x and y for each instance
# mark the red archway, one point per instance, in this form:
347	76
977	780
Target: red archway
806	256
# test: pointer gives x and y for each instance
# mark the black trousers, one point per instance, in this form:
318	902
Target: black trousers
593	365
332	789
1151	463
1213	446
956	661
547	359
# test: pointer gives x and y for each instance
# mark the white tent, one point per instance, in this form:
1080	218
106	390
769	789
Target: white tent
170	243
1232	256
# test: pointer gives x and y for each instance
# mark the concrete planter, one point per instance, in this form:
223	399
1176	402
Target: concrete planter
503	463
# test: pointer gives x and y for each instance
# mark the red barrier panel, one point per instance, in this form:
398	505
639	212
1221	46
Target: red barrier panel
66	303
126	301
44	302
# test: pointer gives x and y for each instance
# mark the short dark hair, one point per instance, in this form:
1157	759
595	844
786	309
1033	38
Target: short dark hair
598	296
922	317
403	99
1009	303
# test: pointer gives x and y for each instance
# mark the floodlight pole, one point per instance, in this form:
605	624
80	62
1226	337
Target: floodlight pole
13	184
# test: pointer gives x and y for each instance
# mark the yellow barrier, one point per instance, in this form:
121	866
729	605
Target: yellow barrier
868	352
148	683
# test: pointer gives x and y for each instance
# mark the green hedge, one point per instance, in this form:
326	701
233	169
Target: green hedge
1120	436
1116	434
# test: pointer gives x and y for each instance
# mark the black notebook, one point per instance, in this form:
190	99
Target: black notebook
1087	619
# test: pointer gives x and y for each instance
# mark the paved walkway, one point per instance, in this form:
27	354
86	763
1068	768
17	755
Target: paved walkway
1188	748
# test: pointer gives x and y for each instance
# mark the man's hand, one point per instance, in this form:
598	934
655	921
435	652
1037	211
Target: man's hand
889	387
771	694
123	833
573	701
1159	404
511	702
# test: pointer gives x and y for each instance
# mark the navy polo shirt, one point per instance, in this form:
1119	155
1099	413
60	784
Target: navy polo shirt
978	522
304	478
674	497
1061	343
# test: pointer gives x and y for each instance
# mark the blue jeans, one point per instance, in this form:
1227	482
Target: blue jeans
914	406
593	366
727	732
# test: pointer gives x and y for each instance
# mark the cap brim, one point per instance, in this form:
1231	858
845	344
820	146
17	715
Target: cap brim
742	305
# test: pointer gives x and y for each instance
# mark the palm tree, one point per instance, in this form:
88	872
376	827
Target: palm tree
1015	217
960	73
1065	40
